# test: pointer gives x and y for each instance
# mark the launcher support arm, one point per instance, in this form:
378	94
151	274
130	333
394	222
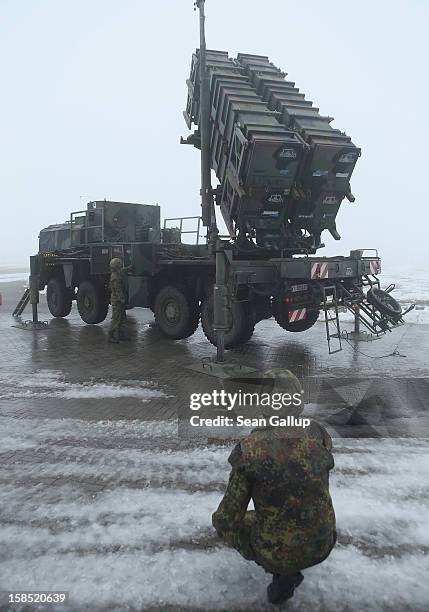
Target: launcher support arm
207	203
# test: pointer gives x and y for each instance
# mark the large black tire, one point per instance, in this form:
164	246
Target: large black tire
92	302
176	313
241	328
385	303
59	298
281	315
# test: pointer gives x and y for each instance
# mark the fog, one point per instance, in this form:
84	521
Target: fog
92	95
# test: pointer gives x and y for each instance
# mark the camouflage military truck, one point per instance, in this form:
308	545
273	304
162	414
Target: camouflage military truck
176	280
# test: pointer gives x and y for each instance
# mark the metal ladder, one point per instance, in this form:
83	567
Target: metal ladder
22	304
332	323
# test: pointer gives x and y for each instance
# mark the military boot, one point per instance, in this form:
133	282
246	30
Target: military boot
112	338
282	587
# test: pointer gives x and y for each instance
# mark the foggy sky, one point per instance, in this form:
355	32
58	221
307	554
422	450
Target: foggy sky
92	94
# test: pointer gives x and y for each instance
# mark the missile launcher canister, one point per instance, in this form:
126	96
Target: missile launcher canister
283	170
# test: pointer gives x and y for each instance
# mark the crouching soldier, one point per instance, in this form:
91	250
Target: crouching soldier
285	470
118	301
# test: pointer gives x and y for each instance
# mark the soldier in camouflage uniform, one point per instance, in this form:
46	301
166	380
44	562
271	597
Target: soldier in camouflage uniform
118	301
285	470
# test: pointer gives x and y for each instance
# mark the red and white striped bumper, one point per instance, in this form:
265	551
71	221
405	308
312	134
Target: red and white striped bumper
297	315
375	266
319	269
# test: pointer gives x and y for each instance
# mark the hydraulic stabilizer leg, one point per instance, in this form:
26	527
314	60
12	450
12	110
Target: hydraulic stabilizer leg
34	287
357	321
31	296
221	296
221	301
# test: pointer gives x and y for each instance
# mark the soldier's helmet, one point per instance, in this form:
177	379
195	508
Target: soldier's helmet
280	386
116	264
284	383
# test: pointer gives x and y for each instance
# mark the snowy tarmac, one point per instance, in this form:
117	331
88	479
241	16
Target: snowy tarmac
99	496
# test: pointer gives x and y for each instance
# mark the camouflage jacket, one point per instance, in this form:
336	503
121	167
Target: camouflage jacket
117	288
293	525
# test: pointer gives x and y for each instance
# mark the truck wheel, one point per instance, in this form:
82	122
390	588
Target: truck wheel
92	303
385	303
176	314
242	324
59	298
281	315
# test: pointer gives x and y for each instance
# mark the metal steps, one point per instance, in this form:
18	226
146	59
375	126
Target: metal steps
332	322
377	323
356	302
22	304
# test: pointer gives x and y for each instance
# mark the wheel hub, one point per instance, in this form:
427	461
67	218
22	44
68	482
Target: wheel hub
171	312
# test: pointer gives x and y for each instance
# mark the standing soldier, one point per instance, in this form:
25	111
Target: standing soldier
118	301
285	470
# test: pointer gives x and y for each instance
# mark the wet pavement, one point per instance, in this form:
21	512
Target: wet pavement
368	385
101	497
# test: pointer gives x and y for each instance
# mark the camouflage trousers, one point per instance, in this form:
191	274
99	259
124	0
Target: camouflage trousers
118	319
242	534
289	565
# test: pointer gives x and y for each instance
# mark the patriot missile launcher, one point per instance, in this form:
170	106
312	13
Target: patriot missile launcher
283	170
283	173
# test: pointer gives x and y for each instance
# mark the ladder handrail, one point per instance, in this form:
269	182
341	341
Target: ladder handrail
335	319
22	303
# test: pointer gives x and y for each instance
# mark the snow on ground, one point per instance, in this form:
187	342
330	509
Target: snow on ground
40	433
14	273
45	384
220	579
13	277
126	526
411	285
416	316
119	512
193	468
